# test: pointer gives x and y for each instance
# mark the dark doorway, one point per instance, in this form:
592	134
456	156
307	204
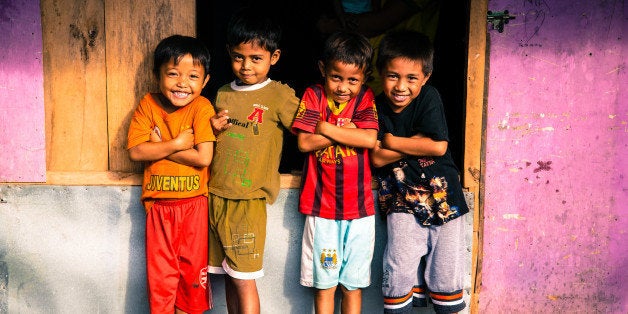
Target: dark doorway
300	49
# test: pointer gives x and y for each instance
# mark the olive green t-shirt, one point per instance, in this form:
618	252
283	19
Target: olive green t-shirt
246	160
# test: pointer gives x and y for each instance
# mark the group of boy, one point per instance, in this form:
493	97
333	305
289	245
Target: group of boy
211	172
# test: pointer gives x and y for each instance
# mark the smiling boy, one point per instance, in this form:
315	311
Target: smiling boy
419	190
337	125
170	131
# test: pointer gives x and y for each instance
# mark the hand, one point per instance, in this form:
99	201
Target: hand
386	140
350	125
155	135
320	126
220	121
185	139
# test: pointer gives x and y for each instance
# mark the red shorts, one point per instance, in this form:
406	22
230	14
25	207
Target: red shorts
176	256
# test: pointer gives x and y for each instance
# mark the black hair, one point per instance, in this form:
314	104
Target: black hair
406	44
349	48
253	26
176	47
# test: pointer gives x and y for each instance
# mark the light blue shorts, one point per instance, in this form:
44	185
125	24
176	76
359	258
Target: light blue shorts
337	252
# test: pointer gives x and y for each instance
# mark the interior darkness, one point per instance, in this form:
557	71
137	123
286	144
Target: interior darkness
300	50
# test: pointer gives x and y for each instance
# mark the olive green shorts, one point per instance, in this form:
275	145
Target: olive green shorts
237	233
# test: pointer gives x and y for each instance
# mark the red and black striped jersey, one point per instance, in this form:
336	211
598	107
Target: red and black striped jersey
337	179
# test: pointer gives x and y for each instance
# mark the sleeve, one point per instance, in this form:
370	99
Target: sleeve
365	116
431	120
287	111
308	114
141	124
202	124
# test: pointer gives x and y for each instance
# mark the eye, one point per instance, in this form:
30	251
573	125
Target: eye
413	78
194	76
171	73
392	76
335	78
257	59
237	58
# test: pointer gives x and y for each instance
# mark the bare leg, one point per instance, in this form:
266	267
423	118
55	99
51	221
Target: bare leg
351	301
179	311
231	295
242	296
324	301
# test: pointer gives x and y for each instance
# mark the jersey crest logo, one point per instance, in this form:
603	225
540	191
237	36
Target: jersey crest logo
329	259
301	110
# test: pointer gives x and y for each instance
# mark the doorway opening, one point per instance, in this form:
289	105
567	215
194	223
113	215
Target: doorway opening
300	49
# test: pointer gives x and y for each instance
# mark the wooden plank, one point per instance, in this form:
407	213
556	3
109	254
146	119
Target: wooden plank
474	134
133	30
74	85
105	178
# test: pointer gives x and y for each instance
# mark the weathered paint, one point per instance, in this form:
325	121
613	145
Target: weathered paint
556	137
22	133
81	250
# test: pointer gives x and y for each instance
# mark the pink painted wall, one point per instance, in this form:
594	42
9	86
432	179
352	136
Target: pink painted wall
22	132
555	195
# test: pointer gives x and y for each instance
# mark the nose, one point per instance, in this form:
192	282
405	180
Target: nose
183	81
401	85
341	87
246	64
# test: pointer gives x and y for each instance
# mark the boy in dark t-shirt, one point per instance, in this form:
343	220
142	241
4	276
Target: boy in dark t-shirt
419	190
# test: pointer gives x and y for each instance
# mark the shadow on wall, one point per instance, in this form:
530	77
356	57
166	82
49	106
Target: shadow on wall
136	296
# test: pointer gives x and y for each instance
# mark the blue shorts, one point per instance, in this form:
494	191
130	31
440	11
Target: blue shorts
337	252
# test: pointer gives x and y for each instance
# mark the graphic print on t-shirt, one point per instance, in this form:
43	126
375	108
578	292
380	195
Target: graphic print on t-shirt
426	199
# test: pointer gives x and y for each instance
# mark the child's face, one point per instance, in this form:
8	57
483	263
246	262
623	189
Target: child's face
183	82
250	62
342	81
402	81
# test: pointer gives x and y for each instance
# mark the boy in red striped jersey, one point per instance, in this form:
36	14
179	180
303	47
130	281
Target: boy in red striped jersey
336	124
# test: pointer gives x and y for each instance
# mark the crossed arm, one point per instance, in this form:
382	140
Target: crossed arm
327	134
393	148
180	149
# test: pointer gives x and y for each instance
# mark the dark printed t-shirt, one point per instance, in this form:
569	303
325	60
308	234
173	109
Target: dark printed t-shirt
426	186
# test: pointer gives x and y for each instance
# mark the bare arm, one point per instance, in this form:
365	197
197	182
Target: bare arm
394	148
151	151
417	145
327	134
199	156
381	156
308	142
348	135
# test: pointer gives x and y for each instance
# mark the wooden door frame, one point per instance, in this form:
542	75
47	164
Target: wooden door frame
475	134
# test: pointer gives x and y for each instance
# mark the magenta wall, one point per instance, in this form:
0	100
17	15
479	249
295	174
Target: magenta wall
555	195
22	133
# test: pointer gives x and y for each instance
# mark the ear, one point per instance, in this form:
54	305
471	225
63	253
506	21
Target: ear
274	57
427	77
206	80
321	67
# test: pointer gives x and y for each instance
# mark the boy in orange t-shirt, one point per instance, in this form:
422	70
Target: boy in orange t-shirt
171	132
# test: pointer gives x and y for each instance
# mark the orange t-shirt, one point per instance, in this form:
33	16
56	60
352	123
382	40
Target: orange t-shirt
164	178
